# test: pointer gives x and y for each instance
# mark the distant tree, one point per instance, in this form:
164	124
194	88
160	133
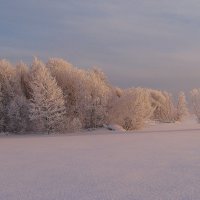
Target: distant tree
168	110
164	109
182	109
8	90
46	107
118	91
95	96
195	99
22	71
157	100
2	118
132	109
69	80
85	92
18	118
73	124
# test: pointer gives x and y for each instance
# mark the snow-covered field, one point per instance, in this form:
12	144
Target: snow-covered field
161	162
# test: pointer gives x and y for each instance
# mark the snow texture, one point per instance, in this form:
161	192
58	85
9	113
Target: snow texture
161	162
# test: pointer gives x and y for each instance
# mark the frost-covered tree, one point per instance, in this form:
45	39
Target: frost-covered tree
69	80
132	109
182	109
22	71
1	111
18	118
164	110
7	79
95	96
117	91
85	92
46	108
8	89
157	101
195	100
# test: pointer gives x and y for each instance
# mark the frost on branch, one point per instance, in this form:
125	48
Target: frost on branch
182	110
164	109
85	92
95	96
195	99
132	109
18	115
46	108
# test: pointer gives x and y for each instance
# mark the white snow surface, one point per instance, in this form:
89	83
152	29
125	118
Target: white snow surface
161	162
114	127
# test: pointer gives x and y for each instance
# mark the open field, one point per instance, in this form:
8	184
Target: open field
159	163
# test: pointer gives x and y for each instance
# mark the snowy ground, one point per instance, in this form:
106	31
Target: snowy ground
161	162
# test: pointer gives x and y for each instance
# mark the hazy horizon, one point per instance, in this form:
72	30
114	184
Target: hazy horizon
136	43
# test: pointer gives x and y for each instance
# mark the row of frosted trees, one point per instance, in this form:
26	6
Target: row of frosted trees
58	97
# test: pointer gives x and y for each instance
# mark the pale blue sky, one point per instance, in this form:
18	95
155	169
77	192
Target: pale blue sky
150	43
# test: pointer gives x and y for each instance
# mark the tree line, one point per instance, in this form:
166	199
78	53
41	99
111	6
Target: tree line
57	97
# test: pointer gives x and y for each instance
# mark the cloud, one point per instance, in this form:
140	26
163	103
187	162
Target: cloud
148	43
